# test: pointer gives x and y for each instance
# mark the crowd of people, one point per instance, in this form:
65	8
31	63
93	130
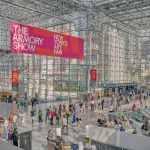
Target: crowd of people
119	123
9	129
115	102
63	114
59	115
9	126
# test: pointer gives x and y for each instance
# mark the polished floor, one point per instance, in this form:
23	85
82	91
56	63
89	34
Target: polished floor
39	131
74	134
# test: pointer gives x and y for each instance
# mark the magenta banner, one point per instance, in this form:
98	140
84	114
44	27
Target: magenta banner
31	40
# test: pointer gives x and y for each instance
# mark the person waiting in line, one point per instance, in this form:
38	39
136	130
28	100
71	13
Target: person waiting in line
15	137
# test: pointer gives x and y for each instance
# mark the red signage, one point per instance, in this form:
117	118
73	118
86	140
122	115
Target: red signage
31	40
93	74
15	77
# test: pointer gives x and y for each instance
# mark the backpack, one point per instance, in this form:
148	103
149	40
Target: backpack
57	117
9	136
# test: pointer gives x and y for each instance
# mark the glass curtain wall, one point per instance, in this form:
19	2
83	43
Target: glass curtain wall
112	51
118	56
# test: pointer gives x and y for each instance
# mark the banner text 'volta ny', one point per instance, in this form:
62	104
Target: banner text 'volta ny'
31	40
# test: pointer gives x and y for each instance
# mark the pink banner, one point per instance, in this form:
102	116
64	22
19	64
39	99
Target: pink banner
31	40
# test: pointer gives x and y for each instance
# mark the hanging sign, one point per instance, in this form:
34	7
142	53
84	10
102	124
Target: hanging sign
15	77
31	40
93	74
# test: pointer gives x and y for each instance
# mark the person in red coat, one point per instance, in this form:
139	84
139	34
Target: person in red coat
51	117
133	107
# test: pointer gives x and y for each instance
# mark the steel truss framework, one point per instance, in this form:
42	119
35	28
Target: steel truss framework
116	34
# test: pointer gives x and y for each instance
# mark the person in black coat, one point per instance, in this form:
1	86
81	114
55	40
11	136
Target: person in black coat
15	137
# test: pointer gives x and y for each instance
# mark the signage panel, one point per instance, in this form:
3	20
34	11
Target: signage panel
93	74
15	77
31	40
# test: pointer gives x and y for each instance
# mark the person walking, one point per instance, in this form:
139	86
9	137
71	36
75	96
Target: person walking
35	101
32	102
5	128
47	114
60	110
23	120
92	105
11	121
102	104
40	113
14	120
64	107
64	121
67	115
15	137
51	117
32	115
10	136
81	105
57	119
140	99
74	118
1	129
